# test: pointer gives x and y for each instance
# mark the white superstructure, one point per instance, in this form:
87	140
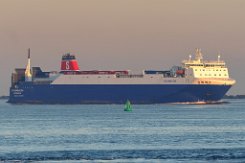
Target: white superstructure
207	72
193	71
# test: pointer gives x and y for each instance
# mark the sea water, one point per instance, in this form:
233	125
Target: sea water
106	133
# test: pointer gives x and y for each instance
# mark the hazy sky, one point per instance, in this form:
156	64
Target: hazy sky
121	34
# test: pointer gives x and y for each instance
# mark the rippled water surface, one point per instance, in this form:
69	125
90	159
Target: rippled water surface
105	133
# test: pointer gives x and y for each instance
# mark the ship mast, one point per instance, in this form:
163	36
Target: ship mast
199	57
28	75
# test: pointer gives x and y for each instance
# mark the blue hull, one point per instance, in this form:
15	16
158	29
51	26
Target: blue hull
115	94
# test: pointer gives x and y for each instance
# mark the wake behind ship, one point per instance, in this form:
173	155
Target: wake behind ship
195	81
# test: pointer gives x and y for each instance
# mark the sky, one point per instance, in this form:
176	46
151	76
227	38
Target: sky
121	34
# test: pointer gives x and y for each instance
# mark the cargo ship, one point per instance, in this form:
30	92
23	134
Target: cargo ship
196	80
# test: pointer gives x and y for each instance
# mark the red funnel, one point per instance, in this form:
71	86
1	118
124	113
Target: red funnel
69	63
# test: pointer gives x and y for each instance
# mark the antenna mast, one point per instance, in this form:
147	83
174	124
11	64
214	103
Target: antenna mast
28	75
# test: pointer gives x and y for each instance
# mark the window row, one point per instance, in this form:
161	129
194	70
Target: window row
204	82
210	70
212	75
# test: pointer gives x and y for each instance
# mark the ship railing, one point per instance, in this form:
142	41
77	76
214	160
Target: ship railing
174	76
42	82
203	63
214	64
130	76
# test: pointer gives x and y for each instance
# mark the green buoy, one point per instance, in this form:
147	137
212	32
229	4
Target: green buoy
127	106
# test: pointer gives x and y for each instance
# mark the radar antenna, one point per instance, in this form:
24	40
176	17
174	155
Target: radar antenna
219	56
190	57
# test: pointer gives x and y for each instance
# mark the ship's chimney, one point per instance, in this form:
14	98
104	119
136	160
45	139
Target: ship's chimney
28	75
69	63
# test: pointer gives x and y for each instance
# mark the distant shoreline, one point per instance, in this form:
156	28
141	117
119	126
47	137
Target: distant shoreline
234	97
4	97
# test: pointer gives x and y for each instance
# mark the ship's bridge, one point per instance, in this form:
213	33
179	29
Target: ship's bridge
199	62
199	70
